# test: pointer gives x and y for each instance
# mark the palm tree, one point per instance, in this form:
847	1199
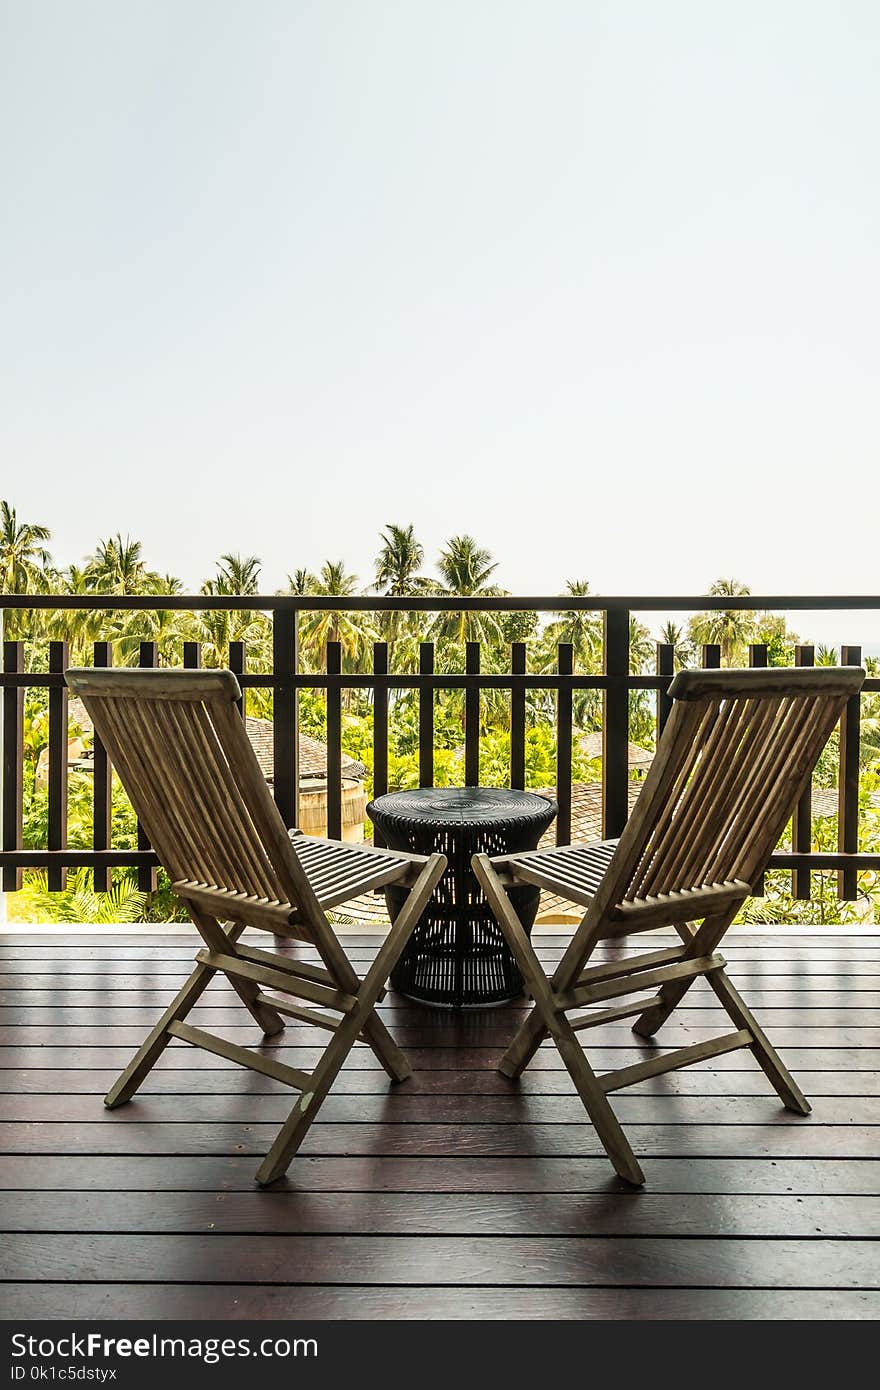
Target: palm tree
731	628
118	567
24	565
826	656
302	582
641	649
674	636
465	568
582	627
397	574
333	625
24	558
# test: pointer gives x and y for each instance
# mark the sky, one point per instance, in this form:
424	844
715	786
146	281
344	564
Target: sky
595	282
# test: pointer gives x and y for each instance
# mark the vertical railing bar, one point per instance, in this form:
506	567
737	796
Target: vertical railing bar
426	716
334	743
802	820
148	656
848	782
56	835
518	719
758	661
758	655
710	656
238	666
615	724
285	713
192	655
380	728
102	785
13	762
472	718
665	667
565	657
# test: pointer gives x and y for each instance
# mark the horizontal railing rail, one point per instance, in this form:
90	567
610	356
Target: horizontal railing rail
286	681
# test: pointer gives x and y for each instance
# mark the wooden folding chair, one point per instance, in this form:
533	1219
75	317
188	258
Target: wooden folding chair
735	755
182	753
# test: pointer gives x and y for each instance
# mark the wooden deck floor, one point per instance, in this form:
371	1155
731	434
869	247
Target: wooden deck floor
457	1195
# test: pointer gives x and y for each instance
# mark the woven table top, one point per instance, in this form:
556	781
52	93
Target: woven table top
463	806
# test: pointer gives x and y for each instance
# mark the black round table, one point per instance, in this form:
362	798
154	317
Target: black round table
457	955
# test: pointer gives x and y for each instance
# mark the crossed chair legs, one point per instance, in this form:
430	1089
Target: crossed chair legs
359	1021
552	1002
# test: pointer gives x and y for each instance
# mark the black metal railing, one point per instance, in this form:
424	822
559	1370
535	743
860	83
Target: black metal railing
286	680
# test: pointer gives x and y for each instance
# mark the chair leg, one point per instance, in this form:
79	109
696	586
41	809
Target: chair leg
669	996
361	1021
526	1041
220	941
765	1054
552	1019
158	1038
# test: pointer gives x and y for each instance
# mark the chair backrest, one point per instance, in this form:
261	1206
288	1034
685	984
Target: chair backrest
735	756
185	760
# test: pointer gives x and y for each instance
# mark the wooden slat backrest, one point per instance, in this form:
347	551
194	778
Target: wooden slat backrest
184	758
736	752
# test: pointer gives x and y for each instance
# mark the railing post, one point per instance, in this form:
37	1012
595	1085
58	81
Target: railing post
758	661
472	718
563	744
102	786
380	728
665	668
334	743
56	837
13	762
285	662
426	716
238	666
518	719
802	820
711	656
147	877
615	724
848	782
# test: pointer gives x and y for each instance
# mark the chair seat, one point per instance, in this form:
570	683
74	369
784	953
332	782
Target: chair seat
338	871
573	872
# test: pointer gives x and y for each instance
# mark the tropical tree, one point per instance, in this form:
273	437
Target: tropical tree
397	575
465	569
118	567
642	651
676	638
320	627
731	628
25	564
581	627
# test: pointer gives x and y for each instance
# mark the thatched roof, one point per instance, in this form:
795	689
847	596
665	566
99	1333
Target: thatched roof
312	752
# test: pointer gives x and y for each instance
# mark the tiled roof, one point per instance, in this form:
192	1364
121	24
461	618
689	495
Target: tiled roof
312	752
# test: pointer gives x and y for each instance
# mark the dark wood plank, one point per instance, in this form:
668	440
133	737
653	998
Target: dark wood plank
463	1214
232	1081
402	1260
429	1174
474	1059
241	1301
157	1136
396	1107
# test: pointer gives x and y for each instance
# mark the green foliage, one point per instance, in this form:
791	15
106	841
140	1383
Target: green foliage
78	902
118	566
